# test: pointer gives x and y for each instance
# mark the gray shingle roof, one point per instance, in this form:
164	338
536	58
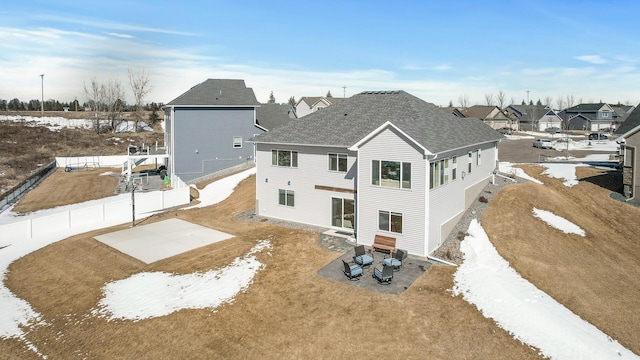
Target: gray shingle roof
271	116
217	92
631	121
349	121
586	107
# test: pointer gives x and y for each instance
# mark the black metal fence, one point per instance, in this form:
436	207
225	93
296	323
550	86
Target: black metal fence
17	191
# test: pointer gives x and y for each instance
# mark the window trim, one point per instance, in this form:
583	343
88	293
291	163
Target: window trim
237	145
286	193
376	169
338	157
292	159
390	222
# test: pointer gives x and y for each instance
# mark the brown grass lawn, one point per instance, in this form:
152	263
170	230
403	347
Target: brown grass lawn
290	312
25	149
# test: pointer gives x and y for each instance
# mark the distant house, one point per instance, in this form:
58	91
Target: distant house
380	162
453	110
207	128
490	115
534	117
589	116
629	140
307	104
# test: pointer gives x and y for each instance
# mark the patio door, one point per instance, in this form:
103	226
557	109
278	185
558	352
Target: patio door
343	213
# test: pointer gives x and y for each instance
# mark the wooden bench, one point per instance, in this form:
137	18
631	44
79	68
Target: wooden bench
386	243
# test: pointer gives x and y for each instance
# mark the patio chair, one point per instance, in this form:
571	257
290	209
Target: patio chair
361	258
353	272
383	276
396	260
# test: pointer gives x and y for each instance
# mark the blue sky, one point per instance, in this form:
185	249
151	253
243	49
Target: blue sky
439	51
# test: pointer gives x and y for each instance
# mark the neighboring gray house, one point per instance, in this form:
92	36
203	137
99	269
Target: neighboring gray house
589	116
381	162
207	128
629	141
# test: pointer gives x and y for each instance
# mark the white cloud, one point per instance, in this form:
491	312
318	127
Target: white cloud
592	59
123	36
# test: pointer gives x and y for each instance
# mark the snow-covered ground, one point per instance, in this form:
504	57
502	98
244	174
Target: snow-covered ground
54	123
487	281
484	279
575	142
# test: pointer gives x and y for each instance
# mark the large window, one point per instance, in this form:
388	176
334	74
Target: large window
285	197
395	174
338	162
390	221
442	171
284	158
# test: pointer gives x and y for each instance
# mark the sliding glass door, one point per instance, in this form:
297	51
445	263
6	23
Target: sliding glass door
343	213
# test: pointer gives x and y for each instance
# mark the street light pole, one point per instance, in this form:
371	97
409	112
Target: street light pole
42	98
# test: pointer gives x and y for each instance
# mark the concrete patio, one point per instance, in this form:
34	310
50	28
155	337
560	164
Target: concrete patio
412	268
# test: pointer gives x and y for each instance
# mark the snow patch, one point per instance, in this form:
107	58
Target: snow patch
487	281
154	294
558	222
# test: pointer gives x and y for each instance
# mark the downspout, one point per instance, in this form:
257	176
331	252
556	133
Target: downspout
440	260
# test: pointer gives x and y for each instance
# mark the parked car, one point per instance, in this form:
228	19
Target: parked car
597	136
542	143
553	129
505	131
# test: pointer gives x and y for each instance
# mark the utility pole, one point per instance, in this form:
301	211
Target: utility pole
42	95
344	91
528	91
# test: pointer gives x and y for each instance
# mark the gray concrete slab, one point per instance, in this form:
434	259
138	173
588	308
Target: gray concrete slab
160	240
412	268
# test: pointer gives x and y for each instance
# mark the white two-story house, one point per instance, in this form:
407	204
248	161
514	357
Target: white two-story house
381	162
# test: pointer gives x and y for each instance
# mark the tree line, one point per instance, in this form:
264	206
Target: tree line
105	100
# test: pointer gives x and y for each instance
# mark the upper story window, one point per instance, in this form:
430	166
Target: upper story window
395	174
454	168
605	114
237	141
470	154
338	162
286	158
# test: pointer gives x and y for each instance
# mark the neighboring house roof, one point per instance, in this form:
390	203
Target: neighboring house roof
631	123
348	122
216	92
453	110
588	108
480	111
524	112
312	100
271	116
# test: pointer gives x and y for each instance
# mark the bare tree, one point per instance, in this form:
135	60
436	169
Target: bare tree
114	103
140	87
570	101
560	103
95	94
548	101
488	99
463	100
500	98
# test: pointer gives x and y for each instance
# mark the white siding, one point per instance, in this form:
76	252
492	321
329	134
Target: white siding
392	146
312	206
449	200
